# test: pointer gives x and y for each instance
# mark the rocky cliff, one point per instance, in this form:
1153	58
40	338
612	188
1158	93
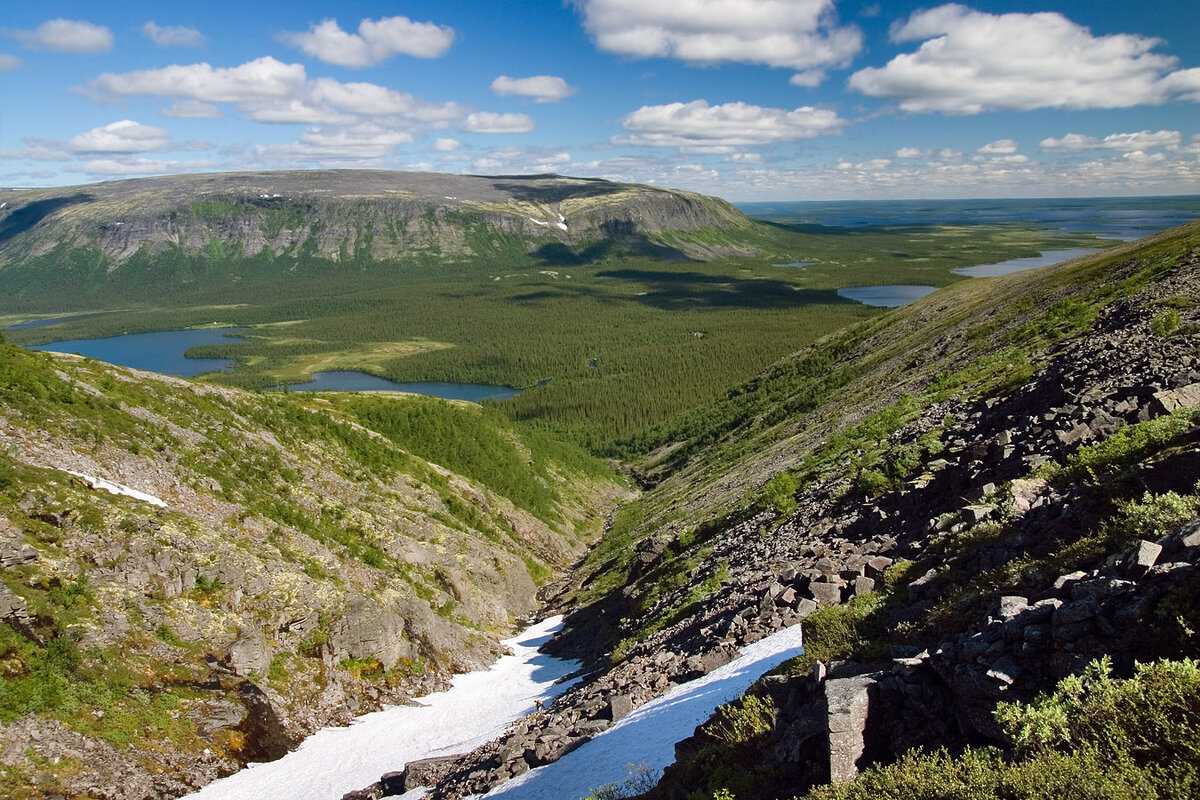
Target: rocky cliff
963	502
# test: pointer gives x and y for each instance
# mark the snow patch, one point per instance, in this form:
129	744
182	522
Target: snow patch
116	488
539	222
478	708
648	735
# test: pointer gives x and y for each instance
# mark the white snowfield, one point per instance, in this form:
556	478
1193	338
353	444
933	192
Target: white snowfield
648	735
116	488
477	709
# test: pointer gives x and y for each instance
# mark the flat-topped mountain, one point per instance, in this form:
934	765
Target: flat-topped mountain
341	215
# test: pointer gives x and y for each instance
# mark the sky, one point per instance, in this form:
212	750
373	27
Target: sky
746	99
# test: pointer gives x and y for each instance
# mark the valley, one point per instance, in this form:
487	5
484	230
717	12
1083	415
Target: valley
959	502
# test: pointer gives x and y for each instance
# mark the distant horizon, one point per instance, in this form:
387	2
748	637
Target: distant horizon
753	100
732	200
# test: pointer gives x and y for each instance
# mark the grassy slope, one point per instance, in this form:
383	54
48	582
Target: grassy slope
282	507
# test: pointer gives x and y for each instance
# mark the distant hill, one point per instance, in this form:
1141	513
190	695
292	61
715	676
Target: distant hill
338	216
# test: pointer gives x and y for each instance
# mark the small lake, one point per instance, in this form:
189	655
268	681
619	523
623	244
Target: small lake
1018	264
796	264
346	381
163	351
886	296
157	351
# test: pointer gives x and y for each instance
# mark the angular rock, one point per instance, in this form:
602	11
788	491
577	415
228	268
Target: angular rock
848	703
1142	558
825	594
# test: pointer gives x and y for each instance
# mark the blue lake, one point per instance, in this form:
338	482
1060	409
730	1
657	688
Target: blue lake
796	264
1017	264
346	381
158	351
163	351
886	296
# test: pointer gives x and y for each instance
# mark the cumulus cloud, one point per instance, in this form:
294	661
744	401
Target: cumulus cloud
745	158
809	79
103	167
9	62
780	33
124	136
727	125
67	36
542	88
910	152
521	160
191	109
268	90
173	35
261	78
490	122
446	145
999	147
1128	142
971	61
375	42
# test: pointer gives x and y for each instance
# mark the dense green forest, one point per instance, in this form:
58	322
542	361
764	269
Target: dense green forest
609	339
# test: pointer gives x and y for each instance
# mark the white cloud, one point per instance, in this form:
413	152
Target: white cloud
374	100
267	90
1128	142
1000	147
910	152
809	79
745	158
375	42
116	167
67	36
9	62
697	124
125	136
490	122
971	61
173	35
293	110
261	78
542	88
446	145
191	109
521	160
780	33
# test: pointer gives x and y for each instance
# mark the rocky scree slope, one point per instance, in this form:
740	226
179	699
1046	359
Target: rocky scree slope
358	216
962	502
270	564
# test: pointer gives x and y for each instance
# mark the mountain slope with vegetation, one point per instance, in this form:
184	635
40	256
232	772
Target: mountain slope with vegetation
268	565
966	502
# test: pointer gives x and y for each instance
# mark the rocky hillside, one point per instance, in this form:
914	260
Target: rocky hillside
964	502
193	577
358	216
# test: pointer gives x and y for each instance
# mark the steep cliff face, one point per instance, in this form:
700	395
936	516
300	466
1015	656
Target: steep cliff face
191	570
347	214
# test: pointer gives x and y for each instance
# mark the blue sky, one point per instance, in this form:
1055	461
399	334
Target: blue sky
747	99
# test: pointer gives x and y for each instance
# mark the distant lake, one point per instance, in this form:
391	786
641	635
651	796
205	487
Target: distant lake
886	296
796	264
348	381
157	351
1017	264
